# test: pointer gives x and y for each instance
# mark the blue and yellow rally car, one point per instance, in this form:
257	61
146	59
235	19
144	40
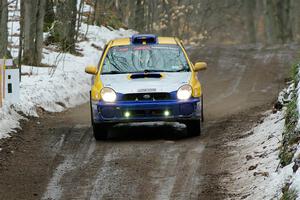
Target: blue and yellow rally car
145	78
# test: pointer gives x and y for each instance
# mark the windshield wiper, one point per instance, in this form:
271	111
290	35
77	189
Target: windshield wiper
114	72
149	71
145	71
153	70
182	70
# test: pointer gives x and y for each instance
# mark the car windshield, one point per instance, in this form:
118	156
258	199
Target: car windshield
145	58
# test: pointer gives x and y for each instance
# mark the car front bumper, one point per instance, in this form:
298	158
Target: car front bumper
143	111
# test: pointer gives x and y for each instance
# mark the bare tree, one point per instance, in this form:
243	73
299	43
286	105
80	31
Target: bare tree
79	19
3	28
277	21
98	12
295	19
139	15
21	38
249	12
65	27
49	14
34	11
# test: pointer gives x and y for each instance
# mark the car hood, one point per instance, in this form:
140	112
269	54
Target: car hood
122	83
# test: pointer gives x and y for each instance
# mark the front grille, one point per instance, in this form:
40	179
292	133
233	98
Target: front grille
146	96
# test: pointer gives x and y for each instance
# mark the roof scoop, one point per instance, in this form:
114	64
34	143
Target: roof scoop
145	75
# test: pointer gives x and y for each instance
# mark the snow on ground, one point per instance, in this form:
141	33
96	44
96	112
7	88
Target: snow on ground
67	87
257	174
298	98
296	177
296	182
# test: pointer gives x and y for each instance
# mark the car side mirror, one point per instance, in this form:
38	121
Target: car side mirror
200	66
91	69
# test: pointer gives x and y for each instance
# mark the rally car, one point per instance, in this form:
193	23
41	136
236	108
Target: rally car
145	78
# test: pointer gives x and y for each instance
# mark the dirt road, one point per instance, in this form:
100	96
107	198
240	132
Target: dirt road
56	157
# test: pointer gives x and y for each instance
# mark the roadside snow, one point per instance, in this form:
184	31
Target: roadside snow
296	177
258	174
298	98
67	87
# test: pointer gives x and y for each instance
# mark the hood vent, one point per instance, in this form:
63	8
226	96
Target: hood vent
146	75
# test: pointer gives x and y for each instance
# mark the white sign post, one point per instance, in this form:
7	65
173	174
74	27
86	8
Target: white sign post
9	82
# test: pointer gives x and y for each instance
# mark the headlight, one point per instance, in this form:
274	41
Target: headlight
184	92
108	94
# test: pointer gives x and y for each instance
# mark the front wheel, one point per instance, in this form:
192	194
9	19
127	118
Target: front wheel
100	131
202	109
193	127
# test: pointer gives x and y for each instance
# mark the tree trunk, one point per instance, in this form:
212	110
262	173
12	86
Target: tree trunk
3	28
49	14
166	17
271	22
98	12
21	38
139	16
28	32
284	9
278	25
66	24
249	9
79	20
40	13
295	19
34	11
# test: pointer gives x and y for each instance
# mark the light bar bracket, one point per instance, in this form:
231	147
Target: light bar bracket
144	39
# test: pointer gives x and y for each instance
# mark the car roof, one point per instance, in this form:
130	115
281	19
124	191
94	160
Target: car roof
160	40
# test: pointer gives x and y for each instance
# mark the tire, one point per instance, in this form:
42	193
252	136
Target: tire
193	128
202	111
100	131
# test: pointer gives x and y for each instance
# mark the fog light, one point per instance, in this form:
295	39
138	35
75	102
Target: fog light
127	114
167	113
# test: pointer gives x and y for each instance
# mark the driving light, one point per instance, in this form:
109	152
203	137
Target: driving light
127	114
184	92
108	94
167	113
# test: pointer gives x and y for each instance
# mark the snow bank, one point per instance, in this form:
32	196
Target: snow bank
67	87
258	175
296	177
298	97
